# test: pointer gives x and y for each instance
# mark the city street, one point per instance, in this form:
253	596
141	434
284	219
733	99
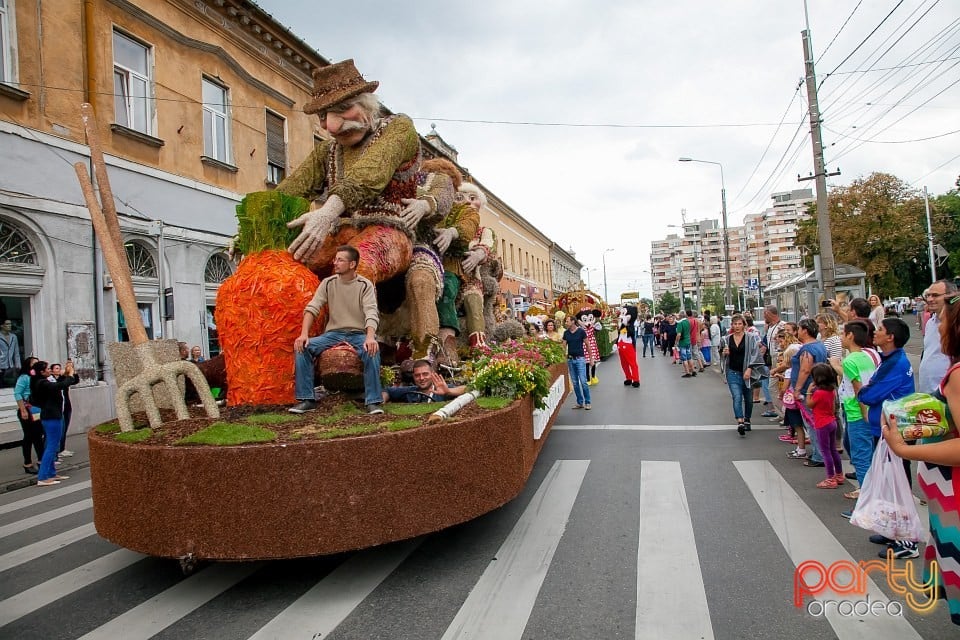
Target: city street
646	517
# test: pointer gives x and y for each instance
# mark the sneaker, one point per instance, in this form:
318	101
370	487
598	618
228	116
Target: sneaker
587	406
686	375
847	514
879	539
47	483
303	406
693	375
594	380
746	425
769	414
796	454
578	406
902	549
850	475
66	453
740	429
786	437
374	410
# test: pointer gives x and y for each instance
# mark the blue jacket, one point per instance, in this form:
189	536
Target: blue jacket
893	379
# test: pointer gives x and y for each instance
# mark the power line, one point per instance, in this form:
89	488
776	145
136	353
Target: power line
839	31
862	42
935	170
849	137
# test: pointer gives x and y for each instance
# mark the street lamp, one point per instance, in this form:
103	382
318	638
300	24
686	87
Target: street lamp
604	258
726	237
588	269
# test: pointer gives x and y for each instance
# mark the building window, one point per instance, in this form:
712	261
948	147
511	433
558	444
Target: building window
276	149
146	317
142	264
218	269
133	107
14	246
216	122
7	48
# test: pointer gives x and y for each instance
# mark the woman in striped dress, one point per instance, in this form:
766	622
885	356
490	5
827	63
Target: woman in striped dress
939	469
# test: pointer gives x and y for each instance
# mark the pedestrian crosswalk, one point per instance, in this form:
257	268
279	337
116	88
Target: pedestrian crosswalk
673	596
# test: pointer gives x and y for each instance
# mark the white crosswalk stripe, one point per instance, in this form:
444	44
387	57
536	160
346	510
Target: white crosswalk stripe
669	583
806	538
674	603
164	609
47	494
500	603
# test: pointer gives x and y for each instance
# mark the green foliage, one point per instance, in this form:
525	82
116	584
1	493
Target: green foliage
493	402
110	427
512	379
355	430
412	409
669	303
262	217
878	224
387	377
271	418
229	433
602	334
402	425
344	410
131	437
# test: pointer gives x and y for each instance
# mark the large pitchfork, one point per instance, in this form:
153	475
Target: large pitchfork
107	227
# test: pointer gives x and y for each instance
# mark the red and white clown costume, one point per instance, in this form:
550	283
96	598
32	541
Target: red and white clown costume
627	346
587	318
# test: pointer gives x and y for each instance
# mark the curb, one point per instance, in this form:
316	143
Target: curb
23	483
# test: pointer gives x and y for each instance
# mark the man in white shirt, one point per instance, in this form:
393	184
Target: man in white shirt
933	363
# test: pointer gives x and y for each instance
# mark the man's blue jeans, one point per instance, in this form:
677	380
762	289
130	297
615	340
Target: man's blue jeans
742	395
860	447
578	378
319	344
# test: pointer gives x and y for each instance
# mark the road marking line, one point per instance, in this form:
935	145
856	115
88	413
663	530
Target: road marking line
671	597
25	602
48	494
499	605
805	537
41	518
164	609
45	546
320	610
662	427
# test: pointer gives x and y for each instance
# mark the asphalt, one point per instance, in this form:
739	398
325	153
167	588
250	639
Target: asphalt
13	477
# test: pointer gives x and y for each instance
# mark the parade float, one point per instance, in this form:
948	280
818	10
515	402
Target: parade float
251	481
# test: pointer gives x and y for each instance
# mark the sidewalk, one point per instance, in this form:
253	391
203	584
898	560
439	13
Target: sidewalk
12	475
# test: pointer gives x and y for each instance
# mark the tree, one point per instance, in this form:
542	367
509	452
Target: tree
713	298
668	303
878	224
648	302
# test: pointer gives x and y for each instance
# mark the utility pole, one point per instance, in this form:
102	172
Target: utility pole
933	264
827	266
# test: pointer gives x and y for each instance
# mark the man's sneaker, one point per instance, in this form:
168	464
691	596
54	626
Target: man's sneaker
303	406
587	406
880	539
847	514
374	410
796	454
902	549
66	453
769	414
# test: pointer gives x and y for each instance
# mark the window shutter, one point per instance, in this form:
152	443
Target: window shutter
276	148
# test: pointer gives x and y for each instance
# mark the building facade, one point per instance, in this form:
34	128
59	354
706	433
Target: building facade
564	269
763	250
196	103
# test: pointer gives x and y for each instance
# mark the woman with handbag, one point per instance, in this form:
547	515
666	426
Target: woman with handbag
741	350
29	422
939	470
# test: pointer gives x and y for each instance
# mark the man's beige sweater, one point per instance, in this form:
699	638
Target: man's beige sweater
352	304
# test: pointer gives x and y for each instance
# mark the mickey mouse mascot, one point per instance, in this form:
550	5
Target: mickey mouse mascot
587	319
627	346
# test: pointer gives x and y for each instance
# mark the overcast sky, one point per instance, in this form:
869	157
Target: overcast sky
670	75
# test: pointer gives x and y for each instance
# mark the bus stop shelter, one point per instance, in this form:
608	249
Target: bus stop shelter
800	296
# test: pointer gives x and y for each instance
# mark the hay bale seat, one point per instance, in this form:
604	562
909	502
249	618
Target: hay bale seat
271	501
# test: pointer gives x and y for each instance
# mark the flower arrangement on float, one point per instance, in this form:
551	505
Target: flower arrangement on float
515	368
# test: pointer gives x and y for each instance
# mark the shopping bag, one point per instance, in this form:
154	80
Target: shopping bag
886	504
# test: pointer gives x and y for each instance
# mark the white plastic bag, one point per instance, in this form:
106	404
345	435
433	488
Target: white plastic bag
886	504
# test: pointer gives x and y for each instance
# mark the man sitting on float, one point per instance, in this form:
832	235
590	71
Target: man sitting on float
351	303
427	387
